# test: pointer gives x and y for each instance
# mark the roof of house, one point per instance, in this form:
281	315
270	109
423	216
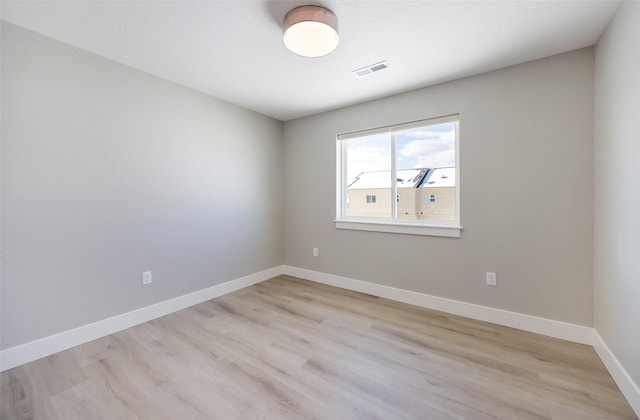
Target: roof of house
406	178
439	177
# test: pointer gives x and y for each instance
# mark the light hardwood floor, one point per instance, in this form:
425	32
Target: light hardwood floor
292	349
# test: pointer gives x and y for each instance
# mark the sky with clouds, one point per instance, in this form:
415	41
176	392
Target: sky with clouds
423	147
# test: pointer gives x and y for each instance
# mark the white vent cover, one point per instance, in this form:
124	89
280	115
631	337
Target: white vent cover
370	69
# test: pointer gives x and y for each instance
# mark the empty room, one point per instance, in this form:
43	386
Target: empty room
320	210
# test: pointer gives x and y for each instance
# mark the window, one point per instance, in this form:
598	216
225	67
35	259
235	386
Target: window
415	163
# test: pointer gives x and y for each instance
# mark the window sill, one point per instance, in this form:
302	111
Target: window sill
407	229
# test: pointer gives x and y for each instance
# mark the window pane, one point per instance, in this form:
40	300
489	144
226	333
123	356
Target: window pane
425	164
369	176
404	174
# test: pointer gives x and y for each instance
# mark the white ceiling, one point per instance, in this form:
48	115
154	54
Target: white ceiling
233	49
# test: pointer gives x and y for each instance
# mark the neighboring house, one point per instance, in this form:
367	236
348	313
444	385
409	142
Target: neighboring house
436	198
422	193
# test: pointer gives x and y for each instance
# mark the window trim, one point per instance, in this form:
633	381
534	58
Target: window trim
443	228
402	228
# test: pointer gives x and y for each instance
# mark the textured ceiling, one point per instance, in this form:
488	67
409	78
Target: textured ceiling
233	49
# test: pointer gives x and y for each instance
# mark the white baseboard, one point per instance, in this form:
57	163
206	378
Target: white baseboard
629	388
549	327
28	352
34	350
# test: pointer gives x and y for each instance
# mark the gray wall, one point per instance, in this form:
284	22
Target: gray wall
107	172
526	192
617	188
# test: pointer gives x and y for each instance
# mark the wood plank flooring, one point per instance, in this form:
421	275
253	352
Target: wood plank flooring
292	349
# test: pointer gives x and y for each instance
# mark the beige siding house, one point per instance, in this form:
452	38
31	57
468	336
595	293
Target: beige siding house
422	193
436	199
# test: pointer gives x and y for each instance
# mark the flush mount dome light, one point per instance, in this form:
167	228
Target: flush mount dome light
311	31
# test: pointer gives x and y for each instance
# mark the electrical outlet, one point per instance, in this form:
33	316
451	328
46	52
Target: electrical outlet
315	252
491	279
146	278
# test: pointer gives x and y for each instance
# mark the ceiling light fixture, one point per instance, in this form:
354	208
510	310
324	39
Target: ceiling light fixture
311	31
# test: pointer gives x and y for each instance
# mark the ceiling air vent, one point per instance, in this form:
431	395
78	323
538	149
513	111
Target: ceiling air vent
370	69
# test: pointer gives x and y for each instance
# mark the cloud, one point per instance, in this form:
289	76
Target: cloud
366	159
427	148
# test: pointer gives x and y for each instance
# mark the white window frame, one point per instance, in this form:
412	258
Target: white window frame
432	198
371	199
445	228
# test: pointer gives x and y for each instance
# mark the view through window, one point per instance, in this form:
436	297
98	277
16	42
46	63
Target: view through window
415	163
